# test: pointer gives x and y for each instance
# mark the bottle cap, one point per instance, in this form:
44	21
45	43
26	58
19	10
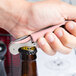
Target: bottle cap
28	50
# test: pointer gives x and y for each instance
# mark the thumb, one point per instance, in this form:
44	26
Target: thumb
69	11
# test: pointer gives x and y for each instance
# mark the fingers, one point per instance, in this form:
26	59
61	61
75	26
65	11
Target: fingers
67	39
71	27
61	40
45	46
51	44
55	44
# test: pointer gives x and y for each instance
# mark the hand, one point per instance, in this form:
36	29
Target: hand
61	40
26	18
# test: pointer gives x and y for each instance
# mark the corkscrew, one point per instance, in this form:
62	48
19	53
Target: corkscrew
30	40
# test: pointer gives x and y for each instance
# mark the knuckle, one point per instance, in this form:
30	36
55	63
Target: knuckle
74	32
51	54
57	29
69	23
66	42
56	48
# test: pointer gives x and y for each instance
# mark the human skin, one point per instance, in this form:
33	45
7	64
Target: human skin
22	18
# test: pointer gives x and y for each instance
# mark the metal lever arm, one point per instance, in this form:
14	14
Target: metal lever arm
41	33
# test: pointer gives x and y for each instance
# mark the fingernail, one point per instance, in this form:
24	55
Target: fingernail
59	33
51	37
70	26
42	41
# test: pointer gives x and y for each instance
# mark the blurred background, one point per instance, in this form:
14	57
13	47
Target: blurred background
61	65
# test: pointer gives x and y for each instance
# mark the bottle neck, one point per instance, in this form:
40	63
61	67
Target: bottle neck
29	67
25	57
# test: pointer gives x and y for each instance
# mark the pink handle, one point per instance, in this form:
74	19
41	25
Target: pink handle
39	34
